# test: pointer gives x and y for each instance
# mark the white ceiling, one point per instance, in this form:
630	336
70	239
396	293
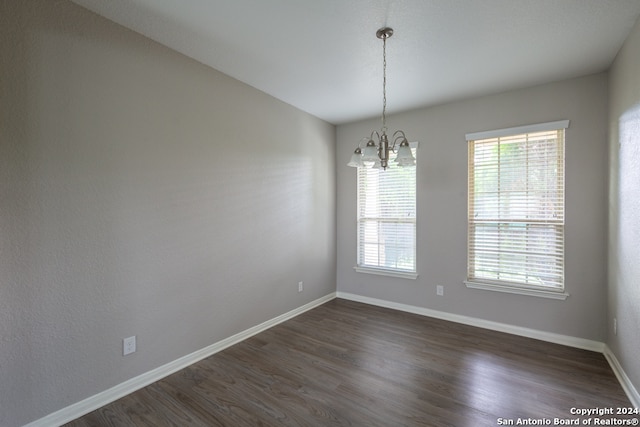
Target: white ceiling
322	56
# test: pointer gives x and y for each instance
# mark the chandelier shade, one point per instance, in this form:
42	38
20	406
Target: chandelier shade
377	148
356	159
404	156
370	153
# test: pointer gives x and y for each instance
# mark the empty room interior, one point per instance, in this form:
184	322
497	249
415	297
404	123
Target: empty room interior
299	212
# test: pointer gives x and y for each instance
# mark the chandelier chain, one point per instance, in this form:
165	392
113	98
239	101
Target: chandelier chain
384	83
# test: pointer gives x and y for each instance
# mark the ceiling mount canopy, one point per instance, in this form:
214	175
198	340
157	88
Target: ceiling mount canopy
384	33
377	148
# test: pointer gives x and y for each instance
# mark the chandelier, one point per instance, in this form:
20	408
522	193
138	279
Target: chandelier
377	149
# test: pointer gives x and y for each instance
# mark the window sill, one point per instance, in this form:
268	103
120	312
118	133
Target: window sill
385	272
542	293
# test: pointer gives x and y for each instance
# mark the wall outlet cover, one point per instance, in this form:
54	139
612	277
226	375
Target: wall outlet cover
129	345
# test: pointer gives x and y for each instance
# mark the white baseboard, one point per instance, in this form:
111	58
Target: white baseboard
625	382
486	324
92	403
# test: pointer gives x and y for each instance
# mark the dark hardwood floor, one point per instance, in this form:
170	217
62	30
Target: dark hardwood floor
351	364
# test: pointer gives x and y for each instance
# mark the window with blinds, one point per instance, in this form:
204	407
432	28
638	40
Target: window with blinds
387	218
516	207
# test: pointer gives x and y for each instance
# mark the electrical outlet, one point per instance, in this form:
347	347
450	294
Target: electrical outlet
440	290
300	286
615	326
129	345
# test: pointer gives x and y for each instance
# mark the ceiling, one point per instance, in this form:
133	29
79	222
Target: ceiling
322	56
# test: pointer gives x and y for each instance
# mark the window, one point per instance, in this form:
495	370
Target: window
516	210
387	220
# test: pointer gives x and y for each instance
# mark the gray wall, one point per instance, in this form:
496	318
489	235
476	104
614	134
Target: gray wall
624	207
141	193
442	207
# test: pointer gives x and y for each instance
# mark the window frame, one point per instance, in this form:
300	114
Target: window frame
506	286
379	270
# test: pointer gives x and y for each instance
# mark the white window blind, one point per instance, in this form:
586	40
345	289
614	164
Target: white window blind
516	207
387	217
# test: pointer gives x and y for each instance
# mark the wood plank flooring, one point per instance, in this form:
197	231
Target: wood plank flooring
351	364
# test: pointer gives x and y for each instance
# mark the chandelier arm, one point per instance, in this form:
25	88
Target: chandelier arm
398	135
365	139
